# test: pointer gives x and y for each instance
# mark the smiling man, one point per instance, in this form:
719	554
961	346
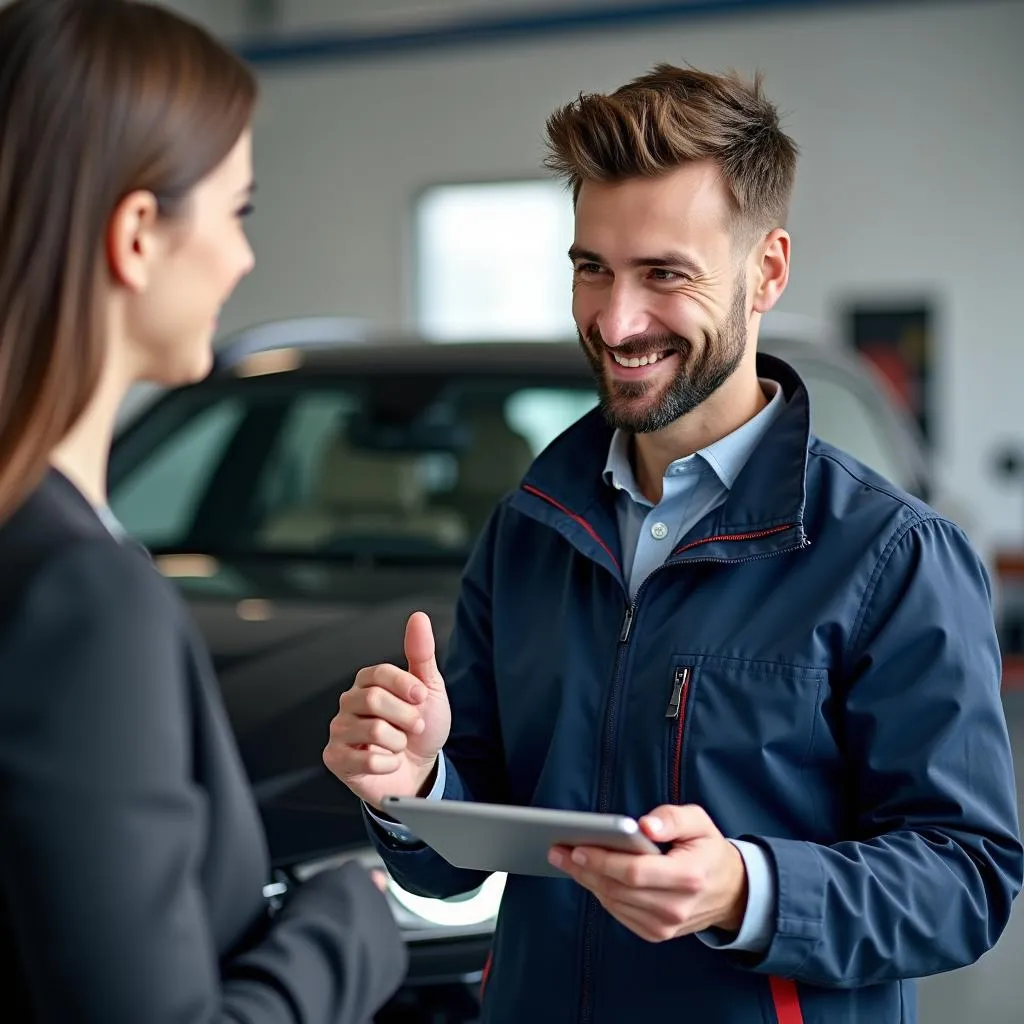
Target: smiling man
695	612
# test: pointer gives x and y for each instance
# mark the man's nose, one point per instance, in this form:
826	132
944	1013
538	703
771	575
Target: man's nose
624	317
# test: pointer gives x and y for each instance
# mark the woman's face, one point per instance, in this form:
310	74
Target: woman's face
188	266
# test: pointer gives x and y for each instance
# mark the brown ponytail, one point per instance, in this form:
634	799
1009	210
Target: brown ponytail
98	98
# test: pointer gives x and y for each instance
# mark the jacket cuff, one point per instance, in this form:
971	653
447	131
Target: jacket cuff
395	829
755	932
800	898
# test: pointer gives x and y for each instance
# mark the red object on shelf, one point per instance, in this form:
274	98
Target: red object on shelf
1009	578
1013	672
1009	565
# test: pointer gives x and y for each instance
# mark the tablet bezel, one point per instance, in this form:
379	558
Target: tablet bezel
511	838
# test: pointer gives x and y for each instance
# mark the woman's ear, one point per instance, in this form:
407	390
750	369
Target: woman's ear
133	240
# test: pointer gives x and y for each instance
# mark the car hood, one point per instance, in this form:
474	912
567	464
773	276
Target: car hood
282	665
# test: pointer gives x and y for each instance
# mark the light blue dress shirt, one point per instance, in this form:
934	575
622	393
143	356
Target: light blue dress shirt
648	534
111	522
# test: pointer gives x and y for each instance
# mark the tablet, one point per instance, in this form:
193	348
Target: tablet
516	840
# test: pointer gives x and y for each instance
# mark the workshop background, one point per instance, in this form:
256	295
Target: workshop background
398	155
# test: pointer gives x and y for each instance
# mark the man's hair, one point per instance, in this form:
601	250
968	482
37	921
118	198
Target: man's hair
674	116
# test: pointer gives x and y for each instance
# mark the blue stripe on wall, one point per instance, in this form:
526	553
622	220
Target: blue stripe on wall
329	46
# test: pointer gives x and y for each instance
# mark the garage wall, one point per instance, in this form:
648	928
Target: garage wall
911	122
221	16
909	118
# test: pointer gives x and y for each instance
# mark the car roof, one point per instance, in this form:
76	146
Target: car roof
316	346
415	357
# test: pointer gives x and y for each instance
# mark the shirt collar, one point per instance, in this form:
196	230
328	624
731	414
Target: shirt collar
111	522
726	456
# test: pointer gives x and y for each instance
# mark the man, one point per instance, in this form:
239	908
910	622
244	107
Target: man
696	613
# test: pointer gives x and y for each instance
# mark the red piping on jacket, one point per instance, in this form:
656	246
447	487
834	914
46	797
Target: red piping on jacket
786	1001
486	974
733	536
757	535
576	519
677	753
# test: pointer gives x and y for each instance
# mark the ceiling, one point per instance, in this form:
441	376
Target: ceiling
391	16
397	15
287	31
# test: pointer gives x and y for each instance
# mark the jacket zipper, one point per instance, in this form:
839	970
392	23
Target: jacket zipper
611	713
611	724
603	798
676	714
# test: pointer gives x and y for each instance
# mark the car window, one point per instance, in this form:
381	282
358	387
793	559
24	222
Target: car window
842	415
541	414
375	467
291	474
358	474
158	501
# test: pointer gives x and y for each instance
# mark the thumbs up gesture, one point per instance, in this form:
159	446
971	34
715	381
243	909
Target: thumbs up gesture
392	723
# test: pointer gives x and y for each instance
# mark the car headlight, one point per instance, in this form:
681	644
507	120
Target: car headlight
469	912
421	918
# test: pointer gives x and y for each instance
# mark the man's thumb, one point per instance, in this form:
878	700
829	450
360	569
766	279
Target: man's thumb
677	824
420	650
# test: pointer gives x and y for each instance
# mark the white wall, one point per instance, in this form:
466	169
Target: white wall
909	118
221	16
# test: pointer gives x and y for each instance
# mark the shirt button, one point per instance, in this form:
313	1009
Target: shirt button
659	531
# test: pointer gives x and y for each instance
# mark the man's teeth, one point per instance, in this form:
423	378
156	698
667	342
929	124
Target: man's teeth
635	362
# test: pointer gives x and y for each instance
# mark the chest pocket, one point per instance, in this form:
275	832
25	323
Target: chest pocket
740	739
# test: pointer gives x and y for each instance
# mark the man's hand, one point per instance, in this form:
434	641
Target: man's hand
392	723
700	883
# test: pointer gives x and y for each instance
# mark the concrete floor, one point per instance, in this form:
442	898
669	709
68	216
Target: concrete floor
992	990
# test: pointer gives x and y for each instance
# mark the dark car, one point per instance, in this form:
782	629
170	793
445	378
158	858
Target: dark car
316	489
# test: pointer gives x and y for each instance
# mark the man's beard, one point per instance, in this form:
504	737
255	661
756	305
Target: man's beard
693	384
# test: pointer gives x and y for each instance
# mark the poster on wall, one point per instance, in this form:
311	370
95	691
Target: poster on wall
896	338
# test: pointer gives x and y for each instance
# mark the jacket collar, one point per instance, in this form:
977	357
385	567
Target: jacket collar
56	487
725	458
764	510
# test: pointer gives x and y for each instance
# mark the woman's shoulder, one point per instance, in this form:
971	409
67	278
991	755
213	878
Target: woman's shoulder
55	543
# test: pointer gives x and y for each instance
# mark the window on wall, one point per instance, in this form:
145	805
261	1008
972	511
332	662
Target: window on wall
491	261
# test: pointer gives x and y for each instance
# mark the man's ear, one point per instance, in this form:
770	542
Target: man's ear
772	272
133	241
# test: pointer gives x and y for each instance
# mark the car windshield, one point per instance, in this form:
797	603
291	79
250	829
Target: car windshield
372	469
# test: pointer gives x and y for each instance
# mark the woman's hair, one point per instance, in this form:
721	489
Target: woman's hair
98	99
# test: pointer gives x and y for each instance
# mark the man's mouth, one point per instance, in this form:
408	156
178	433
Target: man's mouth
636	361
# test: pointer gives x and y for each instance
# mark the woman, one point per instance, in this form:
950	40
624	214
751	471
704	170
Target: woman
132	859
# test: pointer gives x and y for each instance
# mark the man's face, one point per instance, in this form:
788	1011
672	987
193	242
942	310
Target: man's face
659	295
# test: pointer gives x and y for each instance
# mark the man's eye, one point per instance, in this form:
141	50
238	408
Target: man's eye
588	268
660	274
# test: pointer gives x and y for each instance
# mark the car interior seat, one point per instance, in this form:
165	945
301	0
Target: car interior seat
490	467
361	494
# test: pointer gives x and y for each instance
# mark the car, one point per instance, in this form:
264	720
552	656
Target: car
318	487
